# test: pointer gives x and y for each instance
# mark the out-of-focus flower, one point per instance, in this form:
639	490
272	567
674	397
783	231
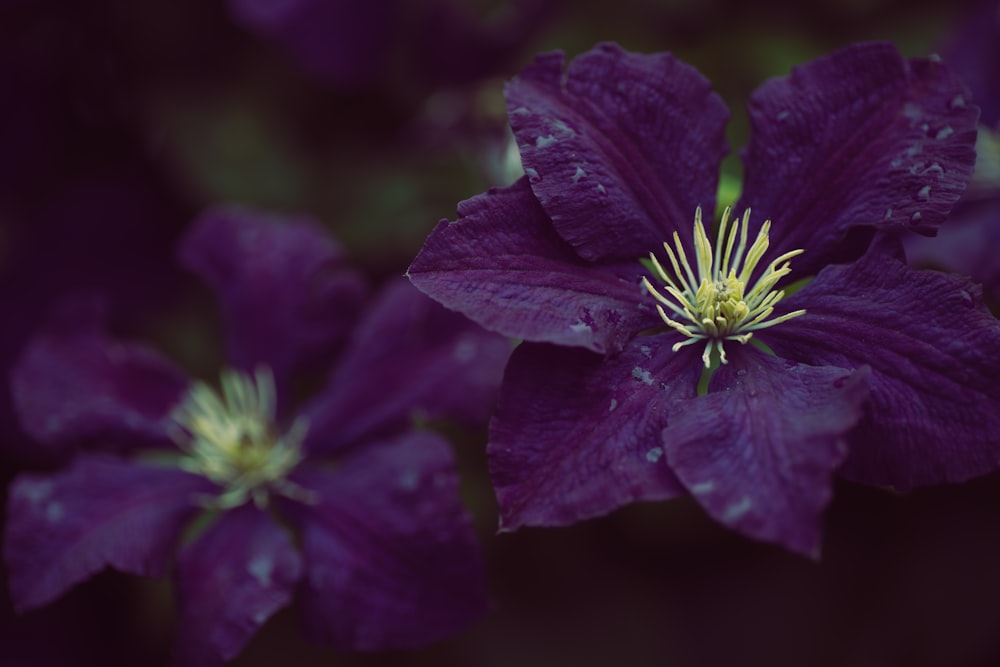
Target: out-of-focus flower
973	52
874	371
354	44
342	503
342	42
968	242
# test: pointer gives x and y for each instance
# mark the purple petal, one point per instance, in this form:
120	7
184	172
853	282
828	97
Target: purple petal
502	265
760	450
391	558
72	384
934	413
231	579
577	435
621	149
64	527
859	137
287	298
408	356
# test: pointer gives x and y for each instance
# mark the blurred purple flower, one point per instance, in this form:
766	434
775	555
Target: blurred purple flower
888	377
343	42
967	244
973	52
355	43
342	503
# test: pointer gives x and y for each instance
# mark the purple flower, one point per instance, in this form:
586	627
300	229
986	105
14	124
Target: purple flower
341	503
343	42
357	44
973	52
888	377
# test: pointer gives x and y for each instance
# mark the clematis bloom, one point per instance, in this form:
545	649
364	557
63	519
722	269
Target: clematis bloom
873	371
341	503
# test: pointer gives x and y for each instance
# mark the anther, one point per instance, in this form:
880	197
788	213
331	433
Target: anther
716	306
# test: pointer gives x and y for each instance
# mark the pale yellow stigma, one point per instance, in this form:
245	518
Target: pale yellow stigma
230	438
715	306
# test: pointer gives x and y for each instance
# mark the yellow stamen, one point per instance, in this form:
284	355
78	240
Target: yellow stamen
230	439
721	308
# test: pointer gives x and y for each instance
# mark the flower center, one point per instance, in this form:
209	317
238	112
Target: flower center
715	306
229	437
